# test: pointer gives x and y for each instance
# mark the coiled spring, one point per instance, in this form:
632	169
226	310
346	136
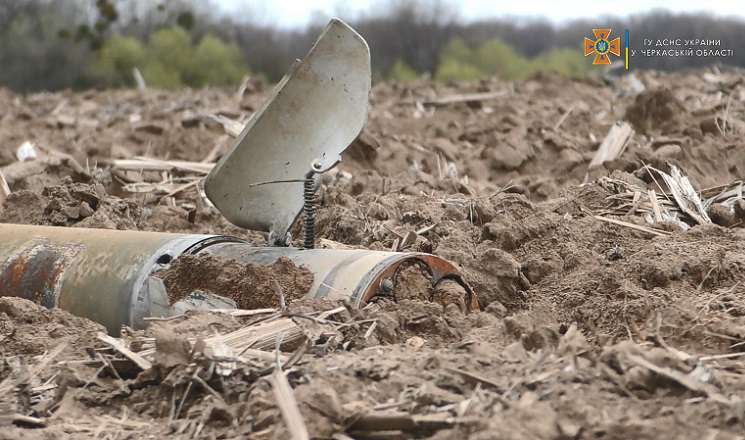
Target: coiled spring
309	210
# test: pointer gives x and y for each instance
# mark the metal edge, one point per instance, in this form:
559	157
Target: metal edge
439	268
140	298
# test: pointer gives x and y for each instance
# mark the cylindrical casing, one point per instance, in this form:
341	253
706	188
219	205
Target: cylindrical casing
104	275
354	274
94	273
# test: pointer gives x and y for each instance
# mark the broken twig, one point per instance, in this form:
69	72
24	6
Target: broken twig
118	345
633	226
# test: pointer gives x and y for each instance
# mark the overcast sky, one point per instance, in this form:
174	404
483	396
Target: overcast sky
298	13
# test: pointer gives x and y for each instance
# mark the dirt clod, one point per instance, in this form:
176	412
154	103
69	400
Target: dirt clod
655	111
251	286
29	330
72	204
412	281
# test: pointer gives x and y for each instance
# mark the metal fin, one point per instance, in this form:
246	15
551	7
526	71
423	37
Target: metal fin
312	116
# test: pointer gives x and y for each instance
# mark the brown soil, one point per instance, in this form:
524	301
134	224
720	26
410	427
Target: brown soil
587	330
413	282
251	286
27	330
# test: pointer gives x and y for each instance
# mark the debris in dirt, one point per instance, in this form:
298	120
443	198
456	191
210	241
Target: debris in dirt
50	169
546	264
164	346
496	276
656	111
529	328
251	286
144	364
288	406
646	229
27	378
26	152
722	215
139	164
678	202
167	178
232	128
404	319
472	99
413	281
613	145
27	329
71	204
740	212
648	370
470	396
685	195
4	190
448	292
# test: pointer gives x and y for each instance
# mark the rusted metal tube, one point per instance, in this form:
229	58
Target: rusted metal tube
95	273
105	275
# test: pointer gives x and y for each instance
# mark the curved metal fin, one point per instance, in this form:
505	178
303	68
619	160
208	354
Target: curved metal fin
312	116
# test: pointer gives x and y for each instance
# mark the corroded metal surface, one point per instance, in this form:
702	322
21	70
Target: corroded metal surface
104	275
95	273
438	269
35	271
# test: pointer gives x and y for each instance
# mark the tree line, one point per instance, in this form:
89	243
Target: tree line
78	44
